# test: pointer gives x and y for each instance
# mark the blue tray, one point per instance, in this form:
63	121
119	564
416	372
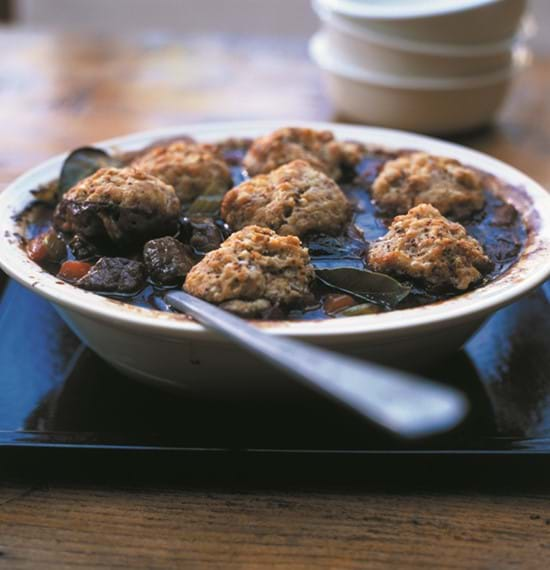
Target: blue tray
55	393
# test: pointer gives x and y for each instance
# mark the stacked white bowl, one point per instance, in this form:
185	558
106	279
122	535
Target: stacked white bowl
434	66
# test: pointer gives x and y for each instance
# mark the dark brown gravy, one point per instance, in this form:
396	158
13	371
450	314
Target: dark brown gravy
498	227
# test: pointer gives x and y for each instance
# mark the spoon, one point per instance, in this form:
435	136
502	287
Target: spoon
403	404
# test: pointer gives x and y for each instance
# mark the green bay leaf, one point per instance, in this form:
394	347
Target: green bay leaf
364	284
80	164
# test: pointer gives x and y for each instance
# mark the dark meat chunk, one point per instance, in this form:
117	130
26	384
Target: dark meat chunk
167	260
114	275
206	236
201	233
82	248
505	215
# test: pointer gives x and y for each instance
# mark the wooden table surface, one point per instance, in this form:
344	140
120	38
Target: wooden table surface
58	92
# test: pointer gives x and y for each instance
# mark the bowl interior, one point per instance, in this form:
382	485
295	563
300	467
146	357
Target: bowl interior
530	199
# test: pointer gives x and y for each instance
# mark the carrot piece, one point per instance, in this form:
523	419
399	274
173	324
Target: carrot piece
47	246
73	270
37	250
338	302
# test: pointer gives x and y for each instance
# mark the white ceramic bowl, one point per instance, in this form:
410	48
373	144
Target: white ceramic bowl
169	350
463	22
428	105
378	52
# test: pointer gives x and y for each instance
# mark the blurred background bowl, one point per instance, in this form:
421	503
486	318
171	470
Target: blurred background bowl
433	66
442	21
429	105
394	55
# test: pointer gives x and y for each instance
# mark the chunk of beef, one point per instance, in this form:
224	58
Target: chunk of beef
205	235
167	260
114	275
82	248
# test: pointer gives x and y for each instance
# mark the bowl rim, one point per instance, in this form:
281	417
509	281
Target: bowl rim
532	268
410	11
333	19
327	59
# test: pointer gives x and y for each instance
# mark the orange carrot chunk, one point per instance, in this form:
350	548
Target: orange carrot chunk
73	270
338	302
47	247
37	249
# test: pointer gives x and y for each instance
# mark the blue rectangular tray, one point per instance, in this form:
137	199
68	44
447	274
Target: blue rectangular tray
56	394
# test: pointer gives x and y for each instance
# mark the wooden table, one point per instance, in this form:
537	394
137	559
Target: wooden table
58	92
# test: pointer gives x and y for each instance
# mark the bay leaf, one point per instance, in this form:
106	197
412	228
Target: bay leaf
80	164
364	284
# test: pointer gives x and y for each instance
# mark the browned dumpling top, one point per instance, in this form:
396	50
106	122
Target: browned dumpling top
294	199
426	246
420	178
191	168
319	148
253	270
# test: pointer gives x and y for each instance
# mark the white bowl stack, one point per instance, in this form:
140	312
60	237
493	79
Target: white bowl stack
434	66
